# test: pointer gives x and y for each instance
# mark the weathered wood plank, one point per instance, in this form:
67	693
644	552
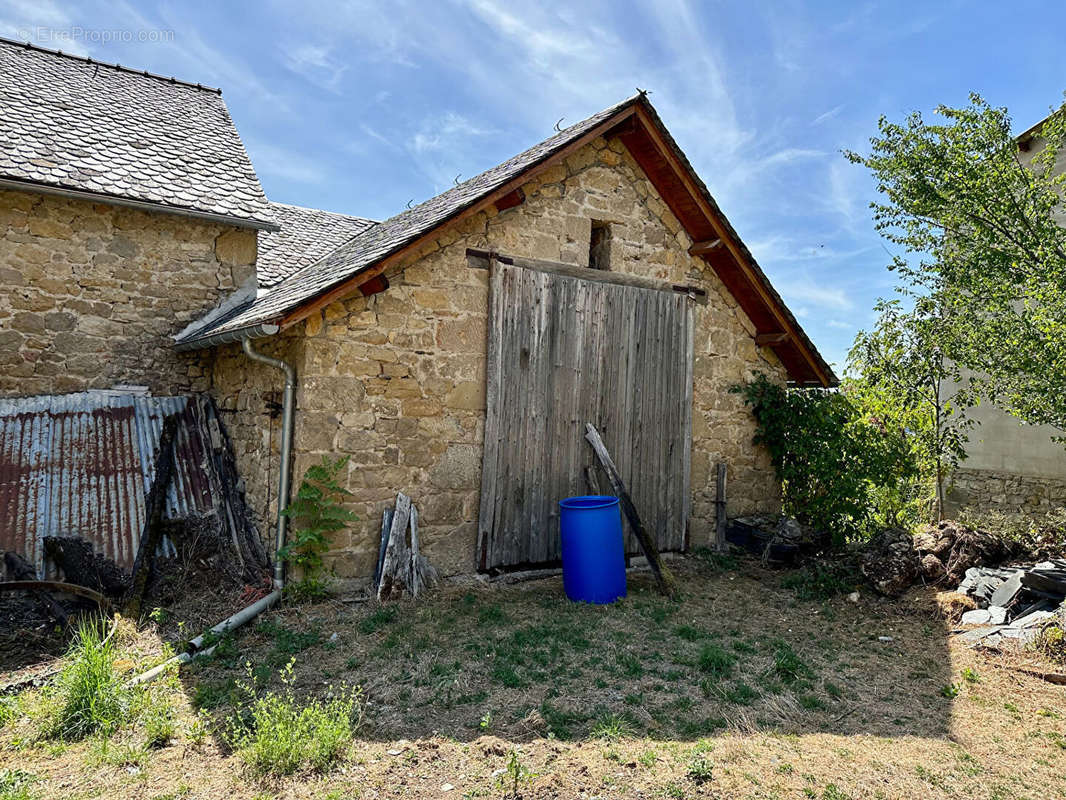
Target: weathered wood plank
663	577
720	509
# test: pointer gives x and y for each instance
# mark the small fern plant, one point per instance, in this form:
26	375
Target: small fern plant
316	514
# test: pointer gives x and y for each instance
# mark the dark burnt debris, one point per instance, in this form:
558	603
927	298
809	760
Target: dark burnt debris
205	532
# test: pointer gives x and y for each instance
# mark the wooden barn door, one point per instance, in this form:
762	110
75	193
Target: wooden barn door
563	351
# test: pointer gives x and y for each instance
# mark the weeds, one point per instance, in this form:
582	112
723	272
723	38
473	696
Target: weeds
88	696
612	727
1051	642
516	774
950	690
16	784
274	734
9	710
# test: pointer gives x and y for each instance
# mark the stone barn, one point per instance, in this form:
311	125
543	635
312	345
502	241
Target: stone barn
456	351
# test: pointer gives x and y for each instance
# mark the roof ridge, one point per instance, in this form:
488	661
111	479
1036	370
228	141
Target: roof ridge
322	211
116	66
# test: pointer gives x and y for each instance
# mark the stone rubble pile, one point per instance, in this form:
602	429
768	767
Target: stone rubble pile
1013	602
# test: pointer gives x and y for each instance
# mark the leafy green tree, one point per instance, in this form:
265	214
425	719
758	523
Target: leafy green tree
827	454
980	223
905	380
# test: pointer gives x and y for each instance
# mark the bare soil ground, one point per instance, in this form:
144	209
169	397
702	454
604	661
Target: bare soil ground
739	690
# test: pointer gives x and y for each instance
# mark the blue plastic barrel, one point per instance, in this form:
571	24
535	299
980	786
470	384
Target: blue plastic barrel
594	560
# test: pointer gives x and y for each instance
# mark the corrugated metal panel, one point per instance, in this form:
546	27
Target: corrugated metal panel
81	465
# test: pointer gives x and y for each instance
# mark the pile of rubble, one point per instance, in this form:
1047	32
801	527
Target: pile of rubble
1013	602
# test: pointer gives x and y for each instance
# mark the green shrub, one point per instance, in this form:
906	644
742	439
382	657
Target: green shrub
1051	642
274	734
88	697
827	454
317	513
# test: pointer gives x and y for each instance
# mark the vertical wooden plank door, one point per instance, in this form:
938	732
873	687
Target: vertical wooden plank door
564	351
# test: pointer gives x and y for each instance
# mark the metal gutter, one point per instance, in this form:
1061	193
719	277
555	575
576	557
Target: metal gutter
285	469
139	205
258	331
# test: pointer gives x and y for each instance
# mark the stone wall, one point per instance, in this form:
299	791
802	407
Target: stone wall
1005	492
90	294
397	380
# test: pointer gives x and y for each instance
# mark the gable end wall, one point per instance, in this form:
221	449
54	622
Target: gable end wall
397	381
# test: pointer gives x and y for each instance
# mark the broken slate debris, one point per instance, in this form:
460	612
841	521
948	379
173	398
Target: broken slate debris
1013	603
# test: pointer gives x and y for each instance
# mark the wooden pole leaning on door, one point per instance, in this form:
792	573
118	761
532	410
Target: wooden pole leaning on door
663	577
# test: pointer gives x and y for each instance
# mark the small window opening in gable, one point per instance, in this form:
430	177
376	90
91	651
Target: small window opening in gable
600	245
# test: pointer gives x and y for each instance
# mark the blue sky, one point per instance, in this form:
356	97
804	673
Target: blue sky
362	106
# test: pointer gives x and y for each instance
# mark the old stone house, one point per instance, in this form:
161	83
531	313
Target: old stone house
128	206
453	351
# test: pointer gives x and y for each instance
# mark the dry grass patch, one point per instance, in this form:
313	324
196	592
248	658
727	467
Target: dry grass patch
740	690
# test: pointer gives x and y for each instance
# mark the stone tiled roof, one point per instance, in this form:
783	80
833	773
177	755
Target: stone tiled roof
393	234
77	124
306	235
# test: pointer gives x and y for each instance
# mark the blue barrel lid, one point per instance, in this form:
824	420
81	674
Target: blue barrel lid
589	501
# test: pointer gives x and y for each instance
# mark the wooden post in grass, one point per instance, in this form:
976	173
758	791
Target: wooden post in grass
719	511
663	578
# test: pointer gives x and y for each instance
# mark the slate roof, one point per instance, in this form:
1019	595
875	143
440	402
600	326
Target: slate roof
79	124
306	235
389	236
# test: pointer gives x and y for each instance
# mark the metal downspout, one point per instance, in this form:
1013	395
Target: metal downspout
284	473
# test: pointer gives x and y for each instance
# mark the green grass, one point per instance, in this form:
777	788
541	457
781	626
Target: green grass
611	727
379	619
788	667
286	640
15	784
715	661
276	735
689	633
88	696
9	710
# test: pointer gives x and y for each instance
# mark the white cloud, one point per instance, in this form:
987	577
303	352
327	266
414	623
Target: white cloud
836	323
447	132
43	23
810	293
279	162
828	115
317	64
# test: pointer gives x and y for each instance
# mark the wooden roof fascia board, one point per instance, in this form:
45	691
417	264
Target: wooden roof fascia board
344	288
651	129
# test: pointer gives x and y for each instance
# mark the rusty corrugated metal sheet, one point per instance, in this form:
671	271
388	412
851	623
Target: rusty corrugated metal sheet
81	465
